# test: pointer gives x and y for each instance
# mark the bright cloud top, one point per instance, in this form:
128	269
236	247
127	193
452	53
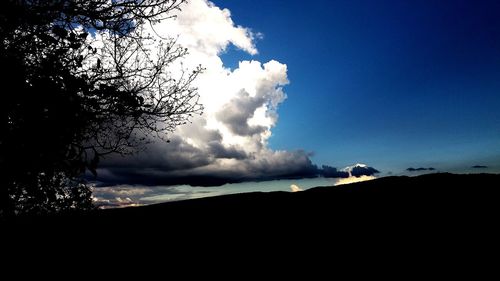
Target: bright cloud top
354	179
205	27
228	143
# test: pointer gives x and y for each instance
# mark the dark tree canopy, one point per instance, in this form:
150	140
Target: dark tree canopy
81	79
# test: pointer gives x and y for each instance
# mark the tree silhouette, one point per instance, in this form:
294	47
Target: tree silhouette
82	79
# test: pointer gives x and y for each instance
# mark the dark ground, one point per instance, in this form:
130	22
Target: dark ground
432	219
433	200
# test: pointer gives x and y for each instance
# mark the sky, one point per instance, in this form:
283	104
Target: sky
392	83
366	88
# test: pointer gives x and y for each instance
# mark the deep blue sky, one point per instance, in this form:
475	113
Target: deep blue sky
392	84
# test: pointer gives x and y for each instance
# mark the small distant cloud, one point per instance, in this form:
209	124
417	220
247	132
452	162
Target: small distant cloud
420	169
350	174
360	170
356	170
479	167
295	188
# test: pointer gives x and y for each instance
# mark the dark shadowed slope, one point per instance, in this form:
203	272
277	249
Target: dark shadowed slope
433	198
436	213
412	224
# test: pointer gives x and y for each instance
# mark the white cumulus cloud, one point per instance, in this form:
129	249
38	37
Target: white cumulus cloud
229	142
207	28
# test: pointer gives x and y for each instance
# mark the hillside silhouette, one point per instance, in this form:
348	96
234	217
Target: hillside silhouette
435	215
433	199
407	225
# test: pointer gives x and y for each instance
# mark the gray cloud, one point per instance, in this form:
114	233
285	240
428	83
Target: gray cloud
359	171
332	172
175	155
220	151
236	113
479	167
178	162
420	169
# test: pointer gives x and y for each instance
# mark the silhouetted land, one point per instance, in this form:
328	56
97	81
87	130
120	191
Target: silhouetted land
435	215
412	224
433	199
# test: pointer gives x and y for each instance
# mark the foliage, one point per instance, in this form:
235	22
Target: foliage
82	79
